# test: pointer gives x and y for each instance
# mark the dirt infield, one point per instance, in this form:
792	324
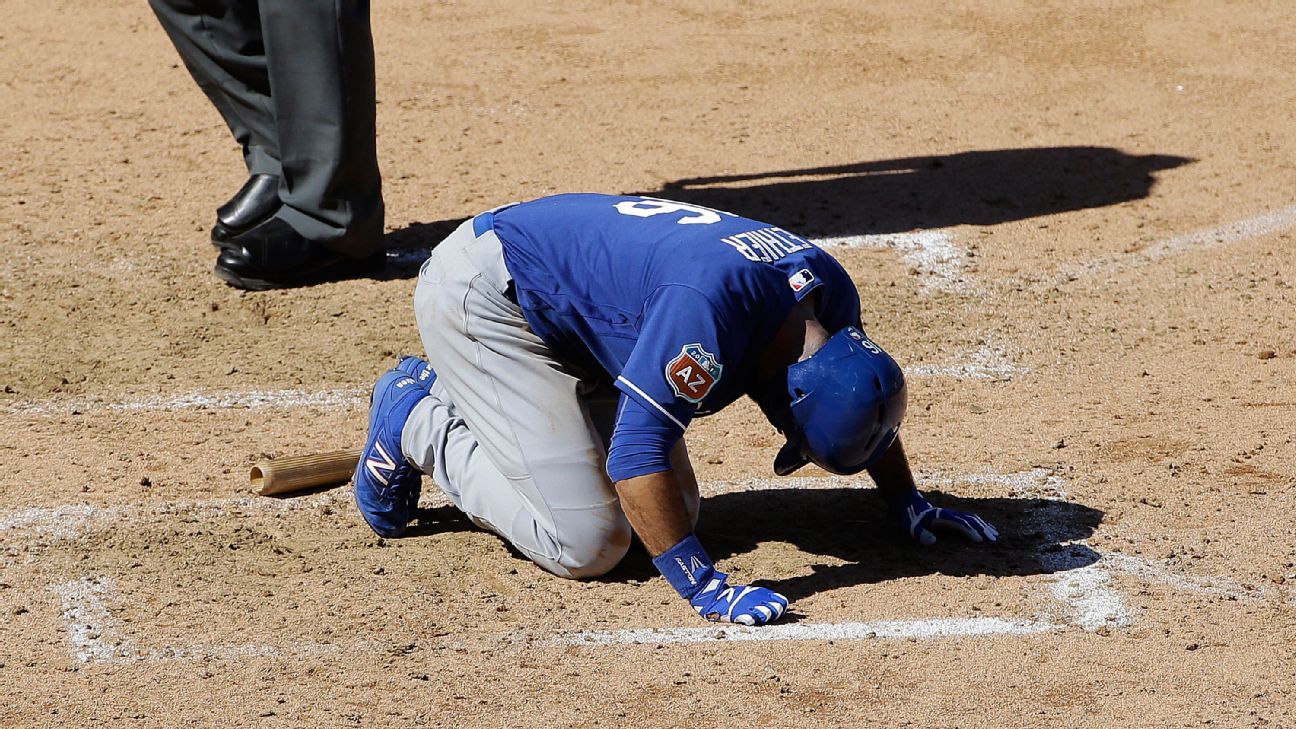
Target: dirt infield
1072	223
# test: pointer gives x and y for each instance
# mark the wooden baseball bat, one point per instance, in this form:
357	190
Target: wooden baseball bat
298	473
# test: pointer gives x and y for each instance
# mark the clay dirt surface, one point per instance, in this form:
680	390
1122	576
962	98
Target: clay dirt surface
1071	222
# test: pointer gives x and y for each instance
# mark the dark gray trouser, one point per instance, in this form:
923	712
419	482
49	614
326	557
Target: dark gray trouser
513	438
294	81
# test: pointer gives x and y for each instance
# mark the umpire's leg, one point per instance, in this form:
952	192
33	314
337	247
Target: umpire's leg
320	58
220	43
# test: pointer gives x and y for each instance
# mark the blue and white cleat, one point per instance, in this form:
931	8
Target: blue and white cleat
419	369
387	487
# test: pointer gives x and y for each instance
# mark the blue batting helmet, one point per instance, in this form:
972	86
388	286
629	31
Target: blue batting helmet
846	403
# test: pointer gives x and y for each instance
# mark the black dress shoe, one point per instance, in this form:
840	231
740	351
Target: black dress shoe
251	206
273	256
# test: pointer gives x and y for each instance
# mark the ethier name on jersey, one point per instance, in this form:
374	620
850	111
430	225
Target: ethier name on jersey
766	245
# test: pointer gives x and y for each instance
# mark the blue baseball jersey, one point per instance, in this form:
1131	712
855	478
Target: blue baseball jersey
674	302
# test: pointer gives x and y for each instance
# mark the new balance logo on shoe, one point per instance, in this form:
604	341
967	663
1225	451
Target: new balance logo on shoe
376	466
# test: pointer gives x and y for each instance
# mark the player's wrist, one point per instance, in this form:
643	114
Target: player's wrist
687	567
690	571
901	499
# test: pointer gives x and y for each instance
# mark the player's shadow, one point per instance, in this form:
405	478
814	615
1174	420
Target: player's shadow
862	545
983	187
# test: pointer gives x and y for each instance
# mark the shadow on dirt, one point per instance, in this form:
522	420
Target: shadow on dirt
851	526
438	520
984	187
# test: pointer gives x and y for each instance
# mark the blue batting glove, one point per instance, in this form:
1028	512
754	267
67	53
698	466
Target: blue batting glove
689	570
921	521
721	602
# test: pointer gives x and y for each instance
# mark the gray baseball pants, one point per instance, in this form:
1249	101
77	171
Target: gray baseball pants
514	438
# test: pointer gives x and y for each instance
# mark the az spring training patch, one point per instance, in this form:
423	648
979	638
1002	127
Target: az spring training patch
693	373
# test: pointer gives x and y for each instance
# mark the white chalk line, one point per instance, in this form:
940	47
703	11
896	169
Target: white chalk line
90	626
1081	583
209	400
244	650
72	521
932	253
881	629
1088	594
1084	583
983	363
59	522
1274	221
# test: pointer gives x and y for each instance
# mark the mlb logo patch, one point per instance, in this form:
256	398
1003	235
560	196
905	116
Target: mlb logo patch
801	279
692	374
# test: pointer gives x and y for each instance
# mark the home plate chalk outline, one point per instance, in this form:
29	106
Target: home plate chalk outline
932	253
1084	594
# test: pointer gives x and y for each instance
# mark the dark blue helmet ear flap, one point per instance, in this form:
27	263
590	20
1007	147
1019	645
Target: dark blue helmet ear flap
846	404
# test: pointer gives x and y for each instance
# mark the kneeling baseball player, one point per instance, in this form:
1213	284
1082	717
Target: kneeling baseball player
570	340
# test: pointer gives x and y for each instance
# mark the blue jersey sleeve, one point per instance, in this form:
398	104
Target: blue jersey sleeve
838	303
640	443
838	306
687	343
